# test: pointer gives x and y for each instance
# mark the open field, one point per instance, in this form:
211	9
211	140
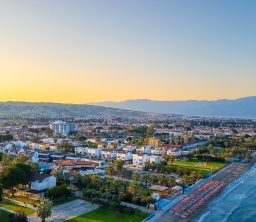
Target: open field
200	165
15	207
4	216
107	214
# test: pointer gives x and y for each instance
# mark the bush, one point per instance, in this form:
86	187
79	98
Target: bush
58	191
136	200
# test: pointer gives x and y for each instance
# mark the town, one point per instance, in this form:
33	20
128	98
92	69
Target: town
126	167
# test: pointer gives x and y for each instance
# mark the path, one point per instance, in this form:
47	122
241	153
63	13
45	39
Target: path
66	211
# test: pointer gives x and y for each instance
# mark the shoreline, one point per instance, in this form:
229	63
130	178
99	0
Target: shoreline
228	175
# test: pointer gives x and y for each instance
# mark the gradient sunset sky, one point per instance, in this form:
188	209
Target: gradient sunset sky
90	51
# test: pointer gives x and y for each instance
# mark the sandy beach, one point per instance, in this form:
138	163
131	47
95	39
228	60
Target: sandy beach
228	175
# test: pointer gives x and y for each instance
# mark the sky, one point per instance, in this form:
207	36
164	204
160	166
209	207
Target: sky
90	51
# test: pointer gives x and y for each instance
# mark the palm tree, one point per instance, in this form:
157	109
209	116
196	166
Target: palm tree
58	173
129	173
126	184
194	176
66	176
44	209
172	158
162	179
248	157
147	165
110	171
145	178
153	179
186	179
171	181
153	166
136	176
133	187
124	170
116	183
118	164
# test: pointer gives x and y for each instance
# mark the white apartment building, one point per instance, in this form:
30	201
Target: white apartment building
140	159
81	150
63	128
124	156
94	151
144	149
129	147
111	154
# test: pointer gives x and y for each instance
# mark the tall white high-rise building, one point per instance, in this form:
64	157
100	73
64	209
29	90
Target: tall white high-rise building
64	128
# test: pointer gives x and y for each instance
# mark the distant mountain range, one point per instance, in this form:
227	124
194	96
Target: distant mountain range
243	107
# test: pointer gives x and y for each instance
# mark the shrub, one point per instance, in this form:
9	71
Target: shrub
136	200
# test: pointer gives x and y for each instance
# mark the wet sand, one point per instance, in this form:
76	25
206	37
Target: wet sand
228	175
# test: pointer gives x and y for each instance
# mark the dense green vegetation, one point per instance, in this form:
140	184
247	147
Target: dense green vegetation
4	216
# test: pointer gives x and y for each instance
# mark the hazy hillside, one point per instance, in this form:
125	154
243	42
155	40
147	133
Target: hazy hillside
243	107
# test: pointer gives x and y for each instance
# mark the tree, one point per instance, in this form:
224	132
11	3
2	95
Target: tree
172	158
248	157
166	157
116	183
153	166
153	179
147	165
1	192
171	181
126	184
146	178
162	179
118	164
58	173
129	173
136	176
133	187
7	160
44	209
110	171
18	216
12	176
150	129
21	158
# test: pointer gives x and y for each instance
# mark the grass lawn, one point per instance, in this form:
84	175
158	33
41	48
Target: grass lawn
106	214
4	216
15	207
200	165
66	200
143	191
22	199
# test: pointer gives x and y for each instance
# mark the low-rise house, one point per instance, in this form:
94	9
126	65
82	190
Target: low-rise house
129	147
58	156
110	154
174	150
144	149
32	155
140	159
81	150
158	150
124	156
156	159
94	151
5	148
44	156
37	186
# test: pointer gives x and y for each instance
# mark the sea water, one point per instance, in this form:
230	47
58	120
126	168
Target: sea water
236	202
